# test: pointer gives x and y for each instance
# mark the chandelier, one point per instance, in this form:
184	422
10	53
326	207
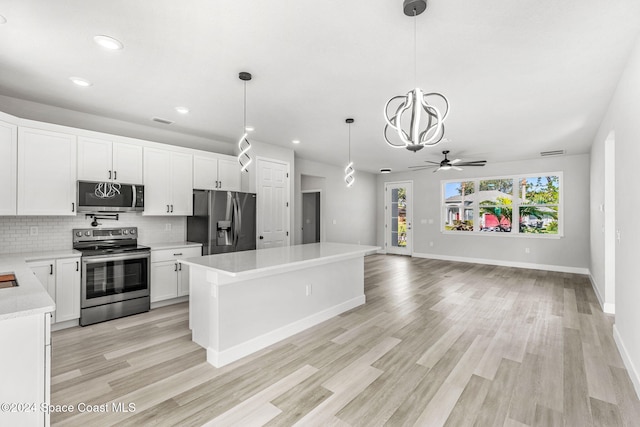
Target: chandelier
243	143
349	171
423	123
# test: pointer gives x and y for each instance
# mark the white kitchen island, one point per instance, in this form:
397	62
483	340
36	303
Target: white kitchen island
242	302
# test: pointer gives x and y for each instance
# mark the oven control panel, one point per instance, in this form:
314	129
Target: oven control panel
98	234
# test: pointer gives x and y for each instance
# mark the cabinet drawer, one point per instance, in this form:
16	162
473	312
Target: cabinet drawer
172	254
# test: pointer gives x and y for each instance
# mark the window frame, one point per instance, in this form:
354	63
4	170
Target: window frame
517	202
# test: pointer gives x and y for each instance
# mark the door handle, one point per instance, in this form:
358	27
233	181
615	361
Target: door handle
115	174
109	174
175	266
51	269
73	207
179	266
167	208
171	208
77	266
261	237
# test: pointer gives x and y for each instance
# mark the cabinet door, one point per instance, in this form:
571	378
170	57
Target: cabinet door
229	175
67	289
94	159
183	279
157	181
46	274
127	163
8	169
164	280
181	184
46	173
205	173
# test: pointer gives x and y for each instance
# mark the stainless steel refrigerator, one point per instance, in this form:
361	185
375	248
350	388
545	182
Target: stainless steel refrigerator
223	221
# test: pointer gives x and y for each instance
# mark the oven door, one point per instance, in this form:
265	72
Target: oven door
112	278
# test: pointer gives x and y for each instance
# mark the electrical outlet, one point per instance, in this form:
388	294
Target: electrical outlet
423	221
526	250
33	231
431	244
335	222
309	289
430	221
167	227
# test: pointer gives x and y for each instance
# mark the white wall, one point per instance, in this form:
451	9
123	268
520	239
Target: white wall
352	208
622	119
569	253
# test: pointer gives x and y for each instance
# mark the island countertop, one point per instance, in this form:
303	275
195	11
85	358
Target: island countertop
260	261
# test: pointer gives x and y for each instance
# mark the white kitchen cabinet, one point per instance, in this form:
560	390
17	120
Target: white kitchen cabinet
8	168
61	279
25	368
68	285
105	160
216	173
168	182
45	271
170	278
46	172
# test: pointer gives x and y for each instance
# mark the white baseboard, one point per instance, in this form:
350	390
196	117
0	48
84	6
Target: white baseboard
167	302
606	307
221	358
633	372
548	267
65	325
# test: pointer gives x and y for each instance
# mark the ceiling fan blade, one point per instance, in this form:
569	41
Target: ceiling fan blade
456	168
419	167
476	163
436	170
454	161
433	163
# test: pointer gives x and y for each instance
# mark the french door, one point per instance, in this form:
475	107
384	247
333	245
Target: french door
398	209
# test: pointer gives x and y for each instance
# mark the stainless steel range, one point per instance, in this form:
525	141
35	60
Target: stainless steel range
115	273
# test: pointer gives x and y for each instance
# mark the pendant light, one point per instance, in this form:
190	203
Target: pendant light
349	170
243	144
421	131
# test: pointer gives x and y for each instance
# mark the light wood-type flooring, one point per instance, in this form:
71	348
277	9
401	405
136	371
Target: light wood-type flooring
437	343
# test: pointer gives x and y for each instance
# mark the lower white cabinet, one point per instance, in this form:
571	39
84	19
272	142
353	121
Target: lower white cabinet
61	279
25	369
170	278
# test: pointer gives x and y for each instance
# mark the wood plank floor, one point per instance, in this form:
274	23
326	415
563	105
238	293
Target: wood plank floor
437	343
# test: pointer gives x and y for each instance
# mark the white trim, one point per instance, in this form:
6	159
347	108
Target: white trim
631	369
548	267
222	358
606	307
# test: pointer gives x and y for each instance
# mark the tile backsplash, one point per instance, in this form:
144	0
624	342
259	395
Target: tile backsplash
54	232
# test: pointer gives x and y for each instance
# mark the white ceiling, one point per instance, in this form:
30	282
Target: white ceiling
522	76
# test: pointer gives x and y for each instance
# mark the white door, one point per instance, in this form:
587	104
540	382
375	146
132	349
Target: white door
67	289
398	217
8	171
127	163
164	282
157	182
205	173
181	184
94	159
45	272
46	172
229	174
273	204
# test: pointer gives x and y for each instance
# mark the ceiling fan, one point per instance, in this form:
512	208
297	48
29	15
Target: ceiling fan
447	164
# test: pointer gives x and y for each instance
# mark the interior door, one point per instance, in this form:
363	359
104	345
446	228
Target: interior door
273	204
398	217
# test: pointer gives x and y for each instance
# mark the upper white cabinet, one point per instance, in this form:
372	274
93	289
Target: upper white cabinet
104	160
168	182
8	171
46	172
216	173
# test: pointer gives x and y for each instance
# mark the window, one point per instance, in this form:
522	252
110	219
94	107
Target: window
399	217
496	205
524	205
458	205
539	202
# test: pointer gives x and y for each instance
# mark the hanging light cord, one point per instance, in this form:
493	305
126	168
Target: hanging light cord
415	48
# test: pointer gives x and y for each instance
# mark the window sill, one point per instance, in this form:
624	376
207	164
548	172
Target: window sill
499	234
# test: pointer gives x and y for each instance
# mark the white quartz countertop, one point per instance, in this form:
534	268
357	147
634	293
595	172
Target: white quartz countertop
171	245
29	297
237	264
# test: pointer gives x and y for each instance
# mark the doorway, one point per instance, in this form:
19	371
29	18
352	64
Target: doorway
398	217
311	218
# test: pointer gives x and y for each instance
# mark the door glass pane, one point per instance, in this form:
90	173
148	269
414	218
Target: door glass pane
399	217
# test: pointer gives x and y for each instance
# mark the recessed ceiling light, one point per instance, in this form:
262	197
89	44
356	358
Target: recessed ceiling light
296	141
249	128
80	81
3	20
108	42
385	170
182	110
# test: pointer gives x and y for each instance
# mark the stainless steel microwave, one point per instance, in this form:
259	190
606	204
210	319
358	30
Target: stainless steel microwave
109	197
